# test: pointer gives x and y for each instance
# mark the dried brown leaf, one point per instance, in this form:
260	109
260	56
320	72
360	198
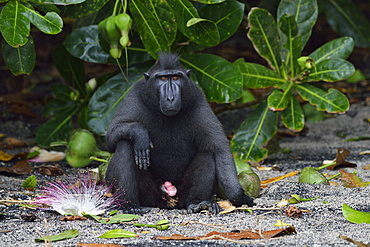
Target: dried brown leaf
242	234
5	157
50	170
358	243
351	180
340	160
22	167
293	212
11	142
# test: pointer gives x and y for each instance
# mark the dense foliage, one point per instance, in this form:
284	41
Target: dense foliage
131	32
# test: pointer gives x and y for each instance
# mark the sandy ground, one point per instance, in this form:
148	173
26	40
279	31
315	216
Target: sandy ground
321	226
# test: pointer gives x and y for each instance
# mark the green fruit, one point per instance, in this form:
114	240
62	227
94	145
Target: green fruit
250	182
108	30
123	22
115	52
124	41
81	146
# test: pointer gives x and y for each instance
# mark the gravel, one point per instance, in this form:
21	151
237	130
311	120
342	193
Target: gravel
320	225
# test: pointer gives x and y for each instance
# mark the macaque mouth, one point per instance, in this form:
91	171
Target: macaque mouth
169	189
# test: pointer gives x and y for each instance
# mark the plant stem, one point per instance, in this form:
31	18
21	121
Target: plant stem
324	166
115	9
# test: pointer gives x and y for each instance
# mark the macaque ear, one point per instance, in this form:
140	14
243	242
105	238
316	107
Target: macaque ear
146	75
188	73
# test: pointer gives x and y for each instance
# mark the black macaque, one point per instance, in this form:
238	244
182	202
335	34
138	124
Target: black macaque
170	150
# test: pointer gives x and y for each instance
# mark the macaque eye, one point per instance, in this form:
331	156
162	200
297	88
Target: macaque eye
175	78
163	78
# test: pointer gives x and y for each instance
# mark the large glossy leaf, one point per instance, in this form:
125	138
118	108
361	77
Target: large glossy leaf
331	70
156	24
220	80
58	2
94	18
292	116
81	9
264	35
258	76
70	68
227	16
105	102
291	43
347	19
204	33
279	99
341	47
51	23
20	60
83	43
57	128
305	12
14	25
260	126
107	98
332	101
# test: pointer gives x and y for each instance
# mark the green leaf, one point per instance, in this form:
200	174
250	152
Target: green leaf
80	8
14	25
311	114
331	70
305	13
70	68
20	60
59	2
57	128
116	219
194	21
211	1
291	42
30	182
220	80
227	16
83	43
56	106
118	233
107	98
51	23
94	18
332	101
341	48
265	37
346	18
64	235
292	116
279	99
260	126
157	34
258	76
355	216
203	33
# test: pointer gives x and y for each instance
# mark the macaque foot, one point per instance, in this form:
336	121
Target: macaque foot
204	205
